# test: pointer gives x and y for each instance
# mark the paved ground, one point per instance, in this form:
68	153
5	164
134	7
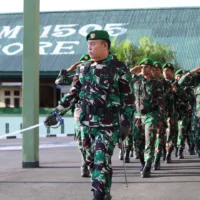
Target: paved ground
58	177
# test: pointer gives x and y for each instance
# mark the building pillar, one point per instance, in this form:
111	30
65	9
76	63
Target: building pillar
30	96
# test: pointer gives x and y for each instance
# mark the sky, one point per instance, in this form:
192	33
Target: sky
64	5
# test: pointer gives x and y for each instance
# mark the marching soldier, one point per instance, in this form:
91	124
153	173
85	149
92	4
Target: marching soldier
171	131
149	110
62	79
104	95
168	108
182	109
192	78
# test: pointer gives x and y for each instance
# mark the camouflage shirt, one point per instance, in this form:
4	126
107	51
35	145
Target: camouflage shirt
193	80
103	84
191	97
168	98
148	96
181	100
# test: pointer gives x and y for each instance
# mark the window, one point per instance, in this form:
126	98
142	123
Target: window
16	93
7	93
7	102
16	102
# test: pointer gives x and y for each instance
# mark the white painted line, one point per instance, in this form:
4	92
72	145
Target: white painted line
41	146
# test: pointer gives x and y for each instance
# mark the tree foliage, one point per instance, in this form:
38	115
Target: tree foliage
132	54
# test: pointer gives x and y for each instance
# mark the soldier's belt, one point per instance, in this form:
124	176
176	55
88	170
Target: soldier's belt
99	111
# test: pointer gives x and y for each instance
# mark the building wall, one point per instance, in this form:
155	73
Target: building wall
12	94
48	96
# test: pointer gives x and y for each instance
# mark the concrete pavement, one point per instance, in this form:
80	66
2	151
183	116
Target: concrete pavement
58	177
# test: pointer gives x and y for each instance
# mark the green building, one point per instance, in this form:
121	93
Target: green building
62	42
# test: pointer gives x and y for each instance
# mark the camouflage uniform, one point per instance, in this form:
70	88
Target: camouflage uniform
105	99
149	112
191	97
65	78
127	147
194	80
164	133
182	109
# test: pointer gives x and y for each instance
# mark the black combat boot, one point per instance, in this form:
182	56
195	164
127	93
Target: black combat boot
180	153
101	195
127	158
191	149
84	171
176	152
168	157
146	170
156	165
121	155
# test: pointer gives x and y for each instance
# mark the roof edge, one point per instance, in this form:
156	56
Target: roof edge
117	9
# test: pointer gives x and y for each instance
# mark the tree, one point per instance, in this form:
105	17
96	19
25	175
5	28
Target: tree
132	54
125	51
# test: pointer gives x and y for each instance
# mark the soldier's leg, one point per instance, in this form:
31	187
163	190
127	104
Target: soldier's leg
171	138
189	143
182	128
158	146
139	140
103	142
192	147
127	148
164	134
196	132
84	169
150	132
135	153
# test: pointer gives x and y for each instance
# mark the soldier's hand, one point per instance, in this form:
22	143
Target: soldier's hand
136	69
195	70
50	120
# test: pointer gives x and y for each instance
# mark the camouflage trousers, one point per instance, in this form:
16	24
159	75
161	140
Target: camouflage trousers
128	143
196	132
171	134
159	139
182	131
99	143
144	132
79	142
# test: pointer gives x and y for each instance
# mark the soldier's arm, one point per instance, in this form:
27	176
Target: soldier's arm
135	70
126	96
190	78
68	101
73	67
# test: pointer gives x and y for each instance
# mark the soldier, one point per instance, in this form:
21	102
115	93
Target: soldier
172	129
106	101
190	93
62	79
127	147
161	131
192	78
148	113
182	109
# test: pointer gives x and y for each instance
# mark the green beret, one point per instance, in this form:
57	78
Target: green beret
179	71
84	57
168	65
157	64
98	35
146	61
